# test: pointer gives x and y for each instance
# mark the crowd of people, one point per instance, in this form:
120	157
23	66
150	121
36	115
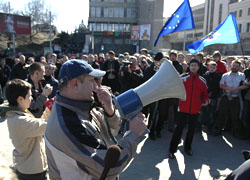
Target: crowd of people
70	98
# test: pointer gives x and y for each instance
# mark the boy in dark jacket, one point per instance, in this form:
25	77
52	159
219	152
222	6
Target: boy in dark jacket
213	82
188	111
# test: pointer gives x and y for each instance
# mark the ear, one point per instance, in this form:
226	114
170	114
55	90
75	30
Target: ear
36	73
74	83
20	99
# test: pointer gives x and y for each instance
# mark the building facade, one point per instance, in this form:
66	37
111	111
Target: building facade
110	23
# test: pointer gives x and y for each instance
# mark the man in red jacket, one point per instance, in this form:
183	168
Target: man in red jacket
221	66
188	111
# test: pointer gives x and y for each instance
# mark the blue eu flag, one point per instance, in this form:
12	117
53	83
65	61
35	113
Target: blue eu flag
182	19
225	33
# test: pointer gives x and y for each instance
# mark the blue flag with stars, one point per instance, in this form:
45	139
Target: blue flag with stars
182	19
225	33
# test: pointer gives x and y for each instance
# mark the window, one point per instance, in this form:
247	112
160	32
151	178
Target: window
189	35
111	12
198	34
131	13
107	41
131	1
110	27
95	12
92	12
92	27
116	27
105	27
98	27
118	41
106	12
240	26
127	27
128	41
134	13
121	27
235	13
240	13
98	12
248	11
116	12
248	27
121	12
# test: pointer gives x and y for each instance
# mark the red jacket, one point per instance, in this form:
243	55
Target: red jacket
196	91
221	67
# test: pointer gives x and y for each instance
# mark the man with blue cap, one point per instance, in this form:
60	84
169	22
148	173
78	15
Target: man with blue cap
78	134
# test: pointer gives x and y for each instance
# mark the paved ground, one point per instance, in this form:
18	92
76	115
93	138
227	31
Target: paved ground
213	157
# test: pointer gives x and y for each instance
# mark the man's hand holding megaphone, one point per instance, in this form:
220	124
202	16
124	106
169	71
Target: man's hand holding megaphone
138	124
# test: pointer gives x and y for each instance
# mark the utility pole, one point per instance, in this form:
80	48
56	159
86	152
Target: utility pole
13	35
184	43
9	6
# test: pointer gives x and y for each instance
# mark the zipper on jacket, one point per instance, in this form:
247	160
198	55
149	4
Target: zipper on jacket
191	94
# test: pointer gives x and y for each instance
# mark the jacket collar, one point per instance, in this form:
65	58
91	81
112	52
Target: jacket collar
193	75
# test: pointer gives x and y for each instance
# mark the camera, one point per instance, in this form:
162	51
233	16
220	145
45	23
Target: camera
124	66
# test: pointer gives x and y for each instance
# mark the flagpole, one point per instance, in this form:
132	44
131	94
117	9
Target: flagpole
242	50
184	43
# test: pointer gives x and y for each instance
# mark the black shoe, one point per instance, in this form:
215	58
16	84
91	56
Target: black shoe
171	155
240	134
171	130
216	132
246	154
189	152
158	134
152	136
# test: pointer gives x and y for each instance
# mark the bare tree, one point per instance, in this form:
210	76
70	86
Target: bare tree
38	12
5	7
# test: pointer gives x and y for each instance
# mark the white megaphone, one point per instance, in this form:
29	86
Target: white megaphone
166	83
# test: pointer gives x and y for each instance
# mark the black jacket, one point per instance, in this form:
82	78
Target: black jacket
4	74
131	80
19	71
213	83
178	66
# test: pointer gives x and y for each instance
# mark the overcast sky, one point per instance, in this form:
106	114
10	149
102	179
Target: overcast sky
70	13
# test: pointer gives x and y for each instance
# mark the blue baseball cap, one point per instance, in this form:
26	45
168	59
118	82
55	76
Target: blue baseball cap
77	67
